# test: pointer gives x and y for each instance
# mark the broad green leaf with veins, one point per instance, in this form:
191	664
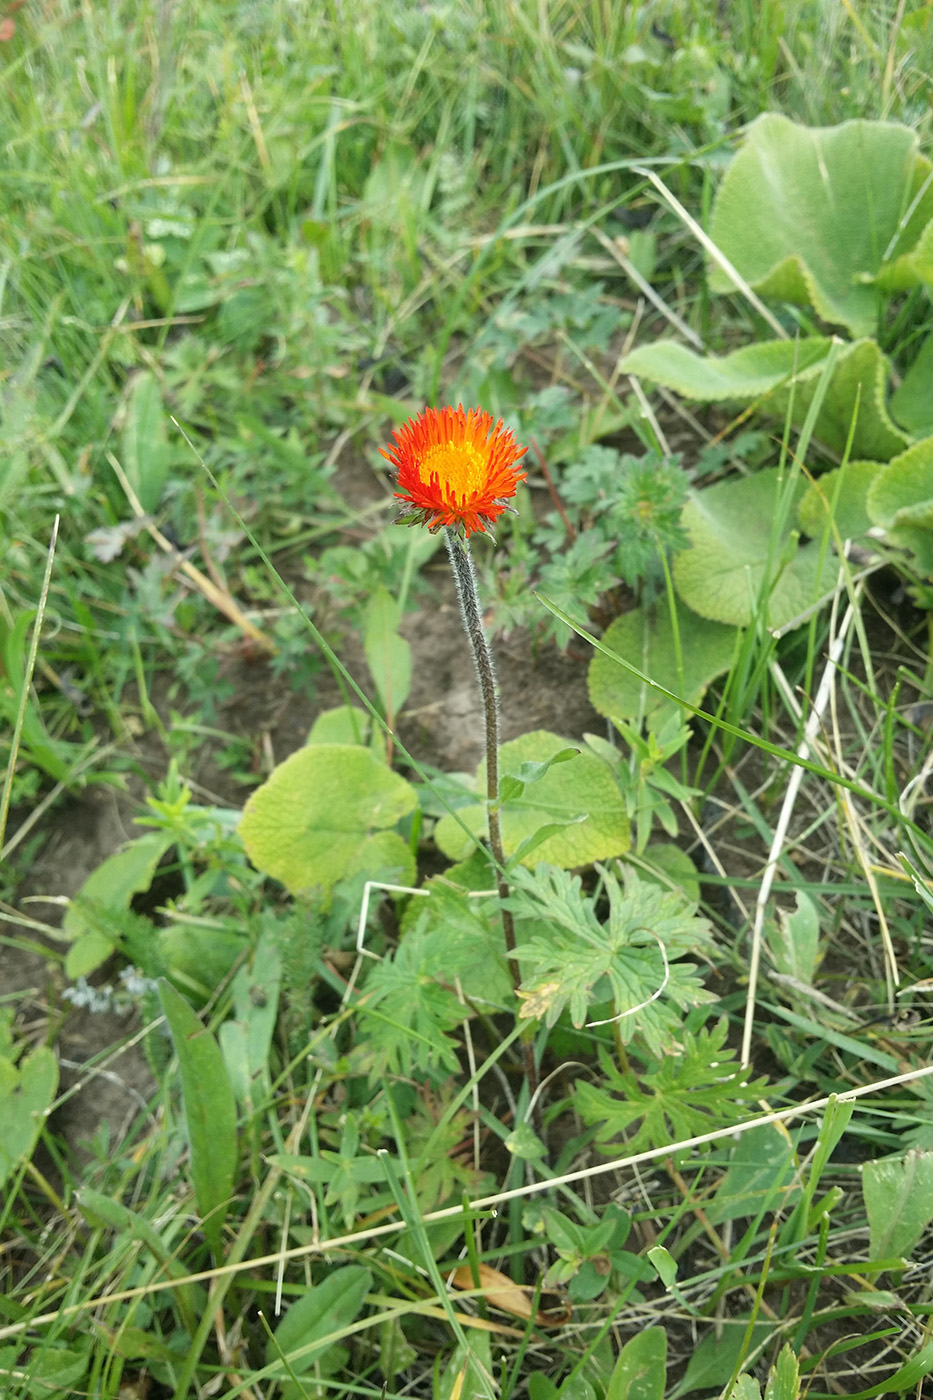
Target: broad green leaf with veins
647	640
742	551
769	372
323	814
826	216
576	793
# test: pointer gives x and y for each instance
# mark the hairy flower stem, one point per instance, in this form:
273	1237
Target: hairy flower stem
465	576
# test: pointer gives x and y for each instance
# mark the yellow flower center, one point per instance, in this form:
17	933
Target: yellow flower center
460	468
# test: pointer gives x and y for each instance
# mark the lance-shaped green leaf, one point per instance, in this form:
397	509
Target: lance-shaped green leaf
210	1112
387	654
26	1094
144	441
641	1370
317	1320
899	1202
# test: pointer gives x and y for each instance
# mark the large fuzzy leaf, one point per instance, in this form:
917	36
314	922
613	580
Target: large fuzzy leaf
772	370
744	374
814	215
912	400
743	547
901	500
842	493
324	814
706	650
902	492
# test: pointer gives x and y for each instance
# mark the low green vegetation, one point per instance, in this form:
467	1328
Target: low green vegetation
641	1109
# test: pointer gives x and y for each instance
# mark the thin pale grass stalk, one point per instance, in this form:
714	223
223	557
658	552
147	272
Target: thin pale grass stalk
858	833
407	1203
649	413
806	746
342	1242
887	81
718	257
610	396
703	838
657	301
17	734
51	797
516	217
855	824
221	599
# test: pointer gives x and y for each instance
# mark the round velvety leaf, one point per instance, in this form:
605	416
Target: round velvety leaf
842	493
814	214
325	813
745	551
647	641
902	492
582	786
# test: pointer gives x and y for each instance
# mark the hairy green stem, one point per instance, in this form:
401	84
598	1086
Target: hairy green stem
468	593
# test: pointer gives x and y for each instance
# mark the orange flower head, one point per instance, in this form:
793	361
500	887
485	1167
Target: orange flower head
455	468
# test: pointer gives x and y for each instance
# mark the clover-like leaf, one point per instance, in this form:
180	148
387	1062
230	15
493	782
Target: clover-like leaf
575	787
815	215
647	641
324	814
743	547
